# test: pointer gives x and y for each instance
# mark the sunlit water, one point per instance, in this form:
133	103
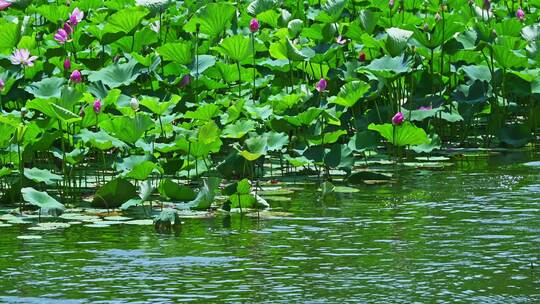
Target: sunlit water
468	234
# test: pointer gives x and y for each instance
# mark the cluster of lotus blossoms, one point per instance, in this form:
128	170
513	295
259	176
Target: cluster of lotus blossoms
62	35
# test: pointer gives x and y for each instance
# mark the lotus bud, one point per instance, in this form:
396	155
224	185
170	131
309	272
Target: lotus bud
391	4
426	27
397	119
185	81
97	106
362	56
81	112
254	25
520	14
487	5
68	28
134	104
76	76
2	85
67	64
438	17
321	85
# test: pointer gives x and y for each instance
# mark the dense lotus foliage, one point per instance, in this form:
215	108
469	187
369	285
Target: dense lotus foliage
125	101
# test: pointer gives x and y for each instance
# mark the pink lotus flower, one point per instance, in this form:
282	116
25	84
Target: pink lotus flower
520	14
391	4
254	25
2	85
22	57
362	56
4	4
76	76
76	16
321	85
68	28
397	119
61	36
67	64
97	106
425	108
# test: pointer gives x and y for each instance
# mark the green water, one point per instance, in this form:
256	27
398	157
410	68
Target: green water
468	234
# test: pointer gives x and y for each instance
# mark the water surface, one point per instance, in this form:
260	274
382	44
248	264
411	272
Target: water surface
466	234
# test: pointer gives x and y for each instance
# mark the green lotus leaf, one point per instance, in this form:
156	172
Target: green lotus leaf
331	11
174	191
203	112
364	140
258	6
53	13
401	135
42	176
350	93
46	88
10	35
100	140
118	74
237	48
128	129
156	106
114	193
126	20
514	135
201	64
368	20
213	18
205	196
295	27
396	40
238	129
42	200
179	52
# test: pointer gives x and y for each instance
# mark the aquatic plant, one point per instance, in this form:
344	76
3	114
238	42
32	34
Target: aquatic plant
166	94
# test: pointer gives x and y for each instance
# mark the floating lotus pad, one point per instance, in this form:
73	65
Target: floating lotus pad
274	192
140	222
433	165
277	198
432	158
96	225
195	214
345	189
116	218
29	237
79	217
268	214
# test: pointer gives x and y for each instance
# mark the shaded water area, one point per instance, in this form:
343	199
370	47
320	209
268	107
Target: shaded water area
469	233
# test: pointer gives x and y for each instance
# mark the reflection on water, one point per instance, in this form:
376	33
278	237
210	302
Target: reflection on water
470	233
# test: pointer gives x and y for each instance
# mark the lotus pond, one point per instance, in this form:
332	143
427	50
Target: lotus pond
269	150
468	233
